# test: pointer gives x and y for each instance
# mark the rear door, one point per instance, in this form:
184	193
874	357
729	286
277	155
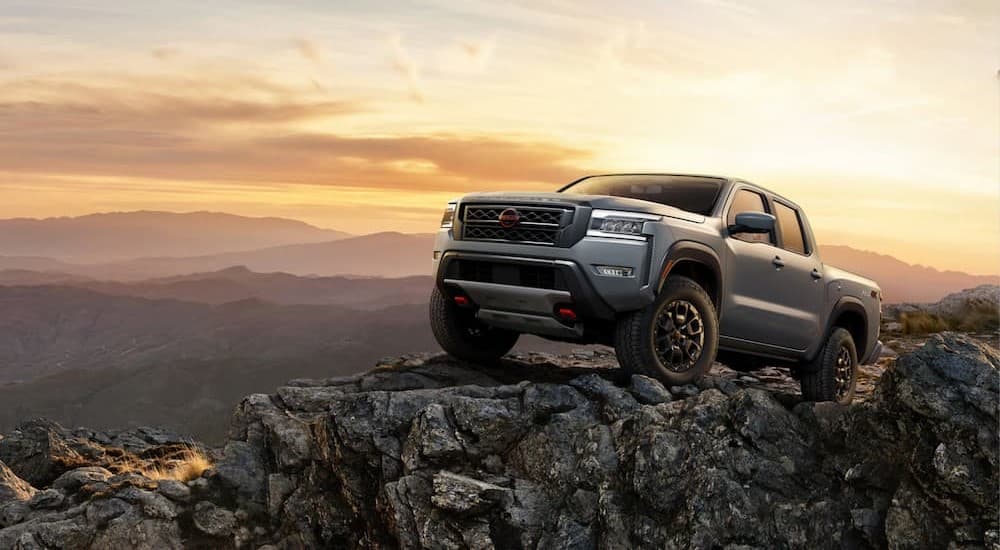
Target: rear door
801	293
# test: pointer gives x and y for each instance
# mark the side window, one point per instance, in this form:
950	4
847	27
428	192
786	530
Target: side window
790	227
747	201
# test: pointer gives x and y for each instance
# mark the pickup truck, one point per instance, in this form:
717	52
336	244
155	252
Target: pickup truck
674	271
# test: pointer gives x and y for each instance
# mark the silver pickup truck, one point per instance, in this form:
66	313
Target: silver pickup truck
674	271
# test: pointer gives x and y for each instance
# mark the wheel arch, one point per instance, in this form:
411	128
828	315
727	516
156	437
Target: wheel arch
697	262
849	314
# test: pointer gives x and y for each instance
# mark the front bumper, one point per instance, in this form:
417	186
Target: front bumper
492	275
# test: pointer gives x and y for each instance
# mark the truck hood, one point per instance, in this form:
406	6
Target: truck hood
835	273
602	202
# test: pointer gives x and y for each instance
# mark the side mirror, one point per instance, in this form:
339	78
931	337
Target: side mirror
752	222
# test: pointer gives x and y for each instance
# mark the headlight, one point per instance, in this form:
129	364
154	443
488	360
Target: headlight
448	219
611	223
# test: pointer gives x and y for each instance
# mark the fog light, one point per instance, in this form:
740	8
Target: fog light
461	301
614	270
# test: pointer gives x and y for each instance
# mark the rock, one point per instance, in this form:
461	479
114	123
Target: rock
566	459
174	490
67	533
101	511
38	453
133	531
72	480
153	505
49	498
648	391
458	493
212	520
428	452
279	488
12	487
242	470
682	392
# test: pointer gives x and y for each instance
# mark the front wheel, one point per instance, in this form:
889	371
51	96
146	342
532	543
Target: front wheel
833	375
674	339
463	336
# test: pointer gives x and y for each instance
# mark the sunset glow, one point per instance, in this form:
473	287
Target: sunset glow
881	119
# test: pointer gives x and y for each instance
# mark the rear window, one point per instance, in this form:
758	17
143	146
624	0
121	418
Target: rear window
693	194
790	226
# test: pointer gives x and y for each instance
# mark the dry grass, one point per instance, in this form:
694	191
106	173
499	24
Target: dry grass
181	463
977	319
918	322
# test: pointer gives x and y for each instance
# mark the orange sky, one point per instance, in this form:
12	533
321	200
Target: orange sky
881	119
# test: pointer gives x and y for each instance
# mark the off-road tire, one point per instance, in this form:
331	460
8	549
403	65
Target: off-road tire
463	336
819	379
635	332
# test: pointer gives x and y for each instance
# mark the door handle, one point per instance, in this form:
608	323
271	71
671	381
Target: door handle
778	262
816	274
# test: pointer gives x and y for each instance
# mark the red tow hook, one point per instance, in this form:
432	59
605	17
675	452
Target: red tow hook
566	314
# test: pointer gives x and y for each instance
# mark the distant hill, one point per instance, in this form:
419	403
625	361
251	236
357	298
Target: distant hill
900	281
395	255
47	329
83	357
126	235
17	277
375	255
239	283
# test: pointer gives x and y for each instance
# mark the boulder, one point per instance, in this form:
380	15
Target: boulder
37	452
12	487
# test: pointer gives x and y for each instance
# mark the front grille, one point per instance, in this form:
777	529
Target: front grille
528	236
536	225
507	274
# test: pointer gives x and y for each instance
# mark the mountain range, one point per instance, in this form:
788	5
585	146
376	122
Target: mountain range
900	281
138	247
86	357
375	255
116	236
240	283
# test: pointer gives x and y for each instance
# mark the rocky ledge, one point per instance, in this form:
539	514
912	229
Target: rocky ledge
426	452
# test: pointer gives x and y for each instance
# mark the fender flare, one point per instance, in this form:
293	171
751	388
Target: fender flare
844	304
699	253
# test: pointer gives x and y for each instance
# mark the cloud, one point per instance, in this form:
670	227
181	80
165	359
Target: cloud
62	106
480	52
309	50
247	133
164	53
474	158
404	64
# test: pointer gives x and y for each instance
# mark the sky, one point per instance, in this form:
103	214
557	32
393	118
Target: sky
881	119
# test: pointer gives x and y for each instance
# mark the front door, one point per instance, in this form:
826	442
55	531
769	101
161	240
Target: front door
774	296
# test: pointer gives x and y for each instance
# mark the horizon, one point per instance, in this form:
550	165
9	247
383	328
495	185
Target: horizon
429	233
377	115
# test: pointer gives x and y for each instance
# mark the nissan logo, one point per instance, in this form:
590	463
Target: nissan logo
509	218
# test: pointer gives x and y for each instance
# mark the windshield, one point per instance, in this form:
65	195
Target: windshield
691	193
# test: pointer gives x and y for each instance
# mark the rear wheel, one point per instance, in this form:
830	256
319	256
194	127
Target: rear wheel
674	339
833	375
463	336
